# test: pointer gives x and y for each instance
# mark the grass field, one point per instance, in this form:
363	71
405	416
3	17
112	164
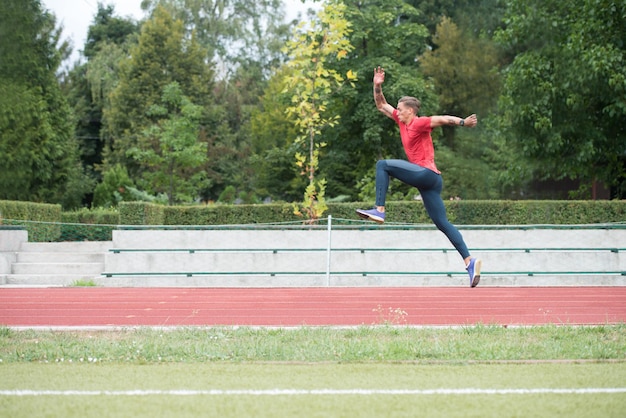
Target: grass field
382	371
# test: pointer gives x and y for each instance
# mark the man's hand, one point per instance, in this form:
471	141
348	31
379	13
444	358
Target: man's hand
379	76
471	121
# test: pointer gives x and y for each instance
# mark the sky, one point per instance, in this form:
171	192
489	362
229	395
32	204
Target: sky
77	15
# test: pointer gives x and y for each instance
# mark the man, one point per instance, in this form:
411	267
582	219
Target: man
420	171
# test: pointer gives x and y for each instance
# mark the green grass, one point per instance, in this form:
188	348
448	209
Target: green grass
84	283
272	376
309	359
311	344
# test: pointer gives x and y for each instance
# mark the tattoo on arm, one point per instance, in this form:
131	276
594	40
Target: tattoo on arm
378	97
451	121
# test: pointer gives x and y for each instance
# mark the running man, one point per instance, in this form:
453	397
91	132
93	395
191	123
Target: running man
420	171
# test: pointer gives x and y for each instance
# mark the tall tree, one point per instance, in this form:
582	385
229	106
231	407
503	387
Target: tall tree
89	84
107	28
38	152
169	151
163	54
310	85
273	134
565	92
244	37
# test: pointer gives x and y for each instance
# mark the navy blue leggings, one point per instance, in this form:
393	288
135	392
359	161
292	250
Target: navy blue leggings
429	185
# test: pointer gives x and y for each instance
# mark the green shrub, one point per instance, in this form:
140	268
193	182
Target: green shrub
140	213
460	212
89	225
40	219
43	221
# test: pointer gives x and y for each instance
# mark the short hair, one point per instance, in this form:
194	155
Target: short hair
411	102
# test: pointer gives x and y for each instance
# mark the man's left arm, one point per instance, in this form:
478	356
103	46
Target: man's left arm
447	120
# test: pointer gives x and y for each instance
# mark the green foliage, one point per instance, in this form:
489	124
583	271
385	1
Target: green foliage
88	85
565	92
141	213
245	37
89	225
272	143
560	114
314	204
169	152
107	29
522	212
476	16
228	195
114	187
40	219
84	283
310	84
460	212
39	158
162	56
464	69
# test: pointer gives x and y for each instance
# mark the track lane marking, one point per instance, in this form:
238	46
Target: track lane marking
305	392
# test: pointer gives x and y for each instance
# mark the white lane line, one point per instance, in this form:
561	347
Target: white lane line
301	392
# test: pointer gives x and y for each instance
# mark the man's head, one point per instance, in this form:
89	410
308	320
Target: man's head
411	102
408	107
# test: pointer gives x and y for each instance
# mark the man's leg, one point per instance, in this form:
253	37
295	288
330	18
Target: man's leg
437	211
400	169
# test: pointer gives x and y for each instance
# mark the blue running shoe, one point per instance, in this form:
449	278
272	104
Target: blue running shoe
372	214
473	268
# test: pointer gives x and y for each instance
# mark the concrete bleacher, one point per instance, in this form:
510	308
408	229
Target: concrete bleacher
593	255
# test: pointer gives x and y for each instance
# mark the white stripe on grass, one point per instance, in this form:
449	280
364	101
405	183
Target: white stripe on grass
304	392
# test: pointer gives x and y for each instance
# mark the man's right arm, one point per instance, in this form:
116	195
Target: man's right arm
381	103
379	98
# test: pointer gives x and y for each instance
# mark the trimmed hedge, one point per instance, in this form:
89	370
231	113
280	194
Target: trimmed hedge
46	222
461	212
524	212
43	218
88	225
141	213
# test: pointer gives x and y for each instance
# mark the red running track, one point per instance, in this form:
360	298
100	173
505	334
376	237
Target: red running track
129	307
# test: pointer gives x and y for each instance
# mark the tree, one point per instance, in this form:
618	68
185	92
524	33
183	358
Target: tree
245	38
89	84
564	94
310	84
114	188
163	54
106	29
169	150
38	152
465	71
272	141
474	16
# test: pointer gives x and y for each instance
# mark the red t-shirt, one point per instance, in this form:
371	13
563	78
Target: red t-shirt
417	142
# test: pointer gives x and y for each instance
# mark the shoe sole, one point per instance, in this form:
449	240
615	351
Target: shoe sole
476	280
370	217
